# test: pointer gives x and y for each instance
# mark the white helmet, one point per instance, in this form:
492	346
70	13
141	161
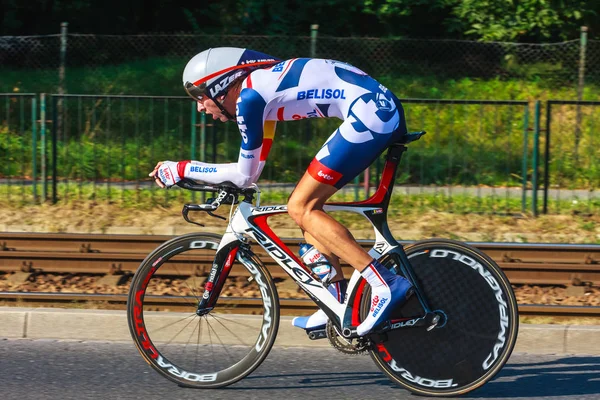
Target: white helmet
214	70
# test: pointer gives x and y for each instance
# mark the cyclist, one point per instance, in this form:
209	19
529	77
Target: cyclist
252	88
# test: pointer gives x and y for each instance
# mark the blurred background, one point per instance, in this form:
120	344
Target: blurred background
91	97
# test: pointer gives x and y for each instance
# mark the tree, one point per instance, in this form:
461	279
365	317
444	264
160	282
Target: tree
488	20
524	20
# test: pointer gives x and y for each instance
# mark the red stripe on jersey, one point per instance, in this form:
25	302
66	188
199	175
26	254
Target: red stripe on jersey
280	114
286	68
323	174
264	153
249	81
181	168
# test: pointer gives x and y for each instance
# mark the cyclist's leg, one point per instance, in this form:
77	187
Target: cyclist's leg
338	287
305	207
346	154
388	290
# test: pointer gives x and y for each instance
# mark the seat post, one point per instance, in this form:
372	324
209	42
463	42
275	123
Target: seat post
392	161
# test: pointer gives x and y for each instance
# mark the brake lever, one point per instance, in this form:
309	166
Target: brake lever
186	210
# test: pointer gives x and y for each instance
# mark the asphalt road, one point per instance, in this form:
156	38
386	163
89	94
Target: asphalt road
53	369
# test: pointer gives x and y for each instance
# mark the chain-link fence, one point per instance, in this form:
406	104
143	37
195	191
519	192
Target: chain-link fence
152	64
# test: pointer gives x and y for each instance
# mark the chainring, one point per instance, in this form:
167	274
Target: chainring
343	345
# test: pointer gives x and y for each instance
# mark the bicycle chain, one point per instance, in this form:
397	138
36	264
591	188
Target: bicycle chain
343	345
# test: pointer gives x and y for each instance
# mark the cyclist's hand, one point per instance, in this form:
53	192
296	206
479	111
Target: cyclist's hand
165	174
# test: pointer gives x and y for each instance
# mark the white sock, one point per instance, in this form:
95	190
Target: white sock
380	296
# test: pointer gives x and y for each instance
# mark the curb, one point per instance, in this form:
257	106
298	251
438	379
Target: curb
109	325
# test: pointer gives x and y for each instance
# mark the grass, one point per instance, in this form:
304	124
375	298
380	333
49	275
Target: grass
145	195
411	217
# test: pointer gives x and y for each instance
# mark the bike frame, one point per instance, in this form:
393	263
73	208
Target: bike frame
252	221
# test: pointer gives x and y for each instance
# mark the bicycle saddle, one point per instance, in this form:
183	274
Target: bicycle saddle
410	137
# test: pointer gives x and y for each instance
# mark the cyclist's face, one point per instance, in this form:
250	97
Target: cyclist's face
207	105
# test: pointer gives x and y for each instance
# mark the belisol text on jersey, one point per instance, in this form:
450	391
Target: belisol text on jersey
195	168
321	94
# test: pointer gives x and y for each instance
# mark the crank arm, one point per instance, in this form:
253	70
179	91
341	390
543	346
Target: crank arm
317	334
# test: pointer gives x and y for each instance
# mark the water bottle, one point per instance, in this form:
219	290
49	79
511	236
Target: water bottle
317	262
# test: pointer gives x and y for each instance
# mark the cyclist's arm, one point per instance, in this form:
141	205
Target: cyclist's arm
250	109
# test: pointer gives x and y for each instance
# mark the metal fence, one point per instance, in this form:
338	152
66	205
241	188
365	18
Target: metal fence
478	156
19	147
152	64
474	158
572	168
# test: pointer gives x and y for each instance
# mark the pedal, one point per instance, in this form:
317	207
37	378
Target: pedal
317	334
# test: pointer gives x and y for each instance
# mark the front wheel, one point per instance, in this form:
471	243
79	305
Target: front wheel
212	348
478	327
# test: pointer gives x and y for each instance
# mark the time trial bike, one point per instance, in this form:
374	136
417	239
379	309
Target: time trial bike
452	336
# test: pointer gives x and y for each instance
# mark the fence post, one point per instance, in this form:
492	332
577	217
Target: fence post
547	156
43	140
536	144
525	157
54	148
34	146
193	139
202	137
61	73
580	85
203	143
314	29
63	56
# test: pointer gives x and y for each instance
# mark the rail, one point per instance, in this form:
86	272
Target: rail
35	253
523	263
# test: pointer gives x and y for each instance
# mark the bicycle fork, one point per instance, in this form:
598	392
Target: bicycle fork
219	273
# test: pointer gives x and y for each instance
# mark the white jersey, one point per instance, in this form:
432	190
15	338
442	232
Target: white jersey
305	88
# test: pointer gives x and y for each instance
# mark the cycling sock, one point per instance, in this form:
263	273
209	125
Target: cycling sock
319	318
387	292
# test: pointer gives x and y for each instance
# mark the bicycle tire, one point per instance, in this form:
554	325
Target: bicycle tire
479	322
165	339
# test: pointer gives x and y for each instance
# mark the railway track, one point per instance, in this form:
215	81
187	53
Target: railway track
523	263
34	253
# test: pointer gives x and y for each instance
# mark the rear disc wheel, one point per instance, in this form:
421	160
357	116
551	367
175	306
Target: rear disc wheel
478	325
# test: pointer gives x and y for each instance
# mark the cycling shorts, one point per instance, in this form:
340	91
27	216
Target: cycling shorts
359	140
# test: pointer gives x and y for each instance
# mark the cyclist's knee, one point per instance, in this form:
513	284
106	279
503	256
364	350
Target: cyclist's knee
297	209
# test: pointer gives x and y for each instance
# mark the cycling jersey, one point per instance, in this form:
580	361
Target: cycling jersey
310	88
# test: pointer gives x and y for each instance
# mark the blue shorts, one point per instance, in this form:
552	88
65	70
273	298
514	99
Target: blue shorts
374	122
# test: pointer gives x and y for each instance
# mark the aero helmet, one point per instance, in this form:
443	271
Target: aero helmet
211	72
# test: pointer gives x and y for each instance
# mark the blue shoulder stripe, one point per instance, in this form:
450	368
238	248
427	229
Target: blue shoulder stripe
249	116
292	77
